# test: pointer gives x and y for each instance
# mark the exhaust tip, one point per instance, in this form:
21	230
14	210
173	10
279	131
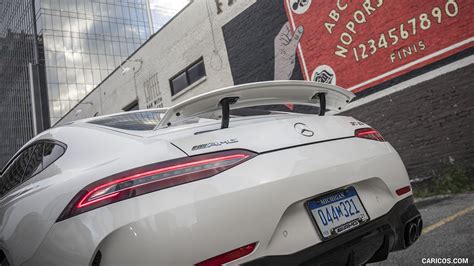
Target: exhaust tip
420	226
413	231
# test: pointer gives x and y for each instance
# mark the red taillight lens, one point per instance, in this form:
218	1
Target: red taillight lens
151	178
228	256
403	190
369	133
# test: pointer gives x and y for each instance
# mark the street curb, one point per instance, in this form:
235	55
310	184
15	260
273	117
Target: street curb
423	202
433	198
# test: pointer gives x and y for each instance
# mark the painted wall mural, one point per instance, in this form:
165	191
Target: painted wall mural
354	44
260	44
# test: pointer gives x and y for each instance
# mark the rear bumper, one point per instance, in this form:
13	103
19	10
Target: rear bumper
371	242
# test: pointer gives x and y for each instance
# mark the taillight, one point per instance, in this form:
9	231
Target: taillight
228	256
403	190
369	133
151	178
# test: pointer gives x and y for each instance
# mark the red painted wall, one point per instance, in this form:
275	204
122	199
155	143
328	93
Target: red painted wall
361	43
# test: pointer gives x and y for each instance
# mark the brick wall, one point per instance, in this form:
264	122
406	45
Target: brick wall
430	124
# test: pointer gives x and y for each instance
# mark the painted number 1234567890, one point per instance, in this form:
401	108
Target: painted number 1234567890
392	37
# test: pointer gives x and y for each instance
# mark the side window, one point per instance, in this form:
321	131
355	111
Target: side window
51	153
14	174
21	163
30	162
36	161
44	155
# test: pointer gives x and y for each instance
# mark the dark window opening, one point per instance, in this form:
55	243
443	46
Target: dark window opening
188	76
133	106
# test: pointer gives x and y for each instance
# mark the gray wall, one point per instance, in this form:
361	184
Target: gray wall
430	124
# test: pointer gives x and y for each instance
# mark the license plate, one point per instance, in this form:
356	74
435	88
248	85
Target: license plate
337	212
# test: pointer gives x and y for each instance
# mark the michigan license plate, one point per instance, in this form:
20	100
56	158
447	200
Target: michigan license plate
338	212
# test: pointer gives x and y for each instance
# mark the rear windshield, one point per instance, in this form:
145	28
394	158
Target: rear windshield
275	109
263	110
147	120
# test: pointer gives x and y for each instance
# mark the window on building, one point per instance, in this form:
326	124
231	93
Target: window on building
131	106
188	76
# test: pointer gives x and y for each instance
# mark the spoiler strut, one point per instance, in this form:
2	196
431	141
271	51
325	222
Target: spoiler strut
225	104
322	103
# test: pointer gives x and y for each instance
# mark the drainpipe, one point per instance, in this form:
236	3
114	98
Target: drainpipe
32	98
150	17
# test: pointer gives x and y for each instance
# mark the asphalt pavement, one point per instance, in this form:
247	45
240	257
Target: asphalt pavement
448	233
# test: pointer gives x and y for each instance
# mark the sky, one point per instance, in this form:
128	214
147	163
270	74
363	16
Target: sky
164	10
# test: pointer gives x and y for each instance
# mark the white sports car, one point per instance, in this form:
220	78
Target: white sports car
212	180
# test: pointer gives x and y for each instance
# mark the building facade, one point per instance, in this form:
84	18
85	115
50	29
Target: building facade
411	65
54	52
20	90
163	10
83	41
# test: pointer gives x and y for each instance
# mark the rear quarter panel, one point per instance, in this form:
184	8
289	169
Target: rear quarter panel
27	213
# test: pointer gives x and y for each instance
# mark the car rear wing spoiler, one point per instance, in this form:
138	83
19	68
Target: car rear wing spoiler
326	96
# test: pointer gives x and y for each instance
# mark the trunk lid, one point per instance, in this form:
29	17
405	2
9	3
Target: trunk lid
265	134
258	133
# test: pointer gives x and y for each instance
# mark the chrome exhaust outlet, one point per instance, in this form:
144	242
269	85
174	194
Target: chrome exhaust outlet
413	231
420	226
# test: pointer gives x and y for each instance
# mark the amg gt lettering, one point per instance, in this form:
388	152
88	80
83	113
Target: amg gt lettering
213	144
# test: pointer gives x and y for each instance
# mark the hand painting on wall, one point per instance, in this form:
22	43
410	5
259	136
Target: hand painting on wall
286	43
